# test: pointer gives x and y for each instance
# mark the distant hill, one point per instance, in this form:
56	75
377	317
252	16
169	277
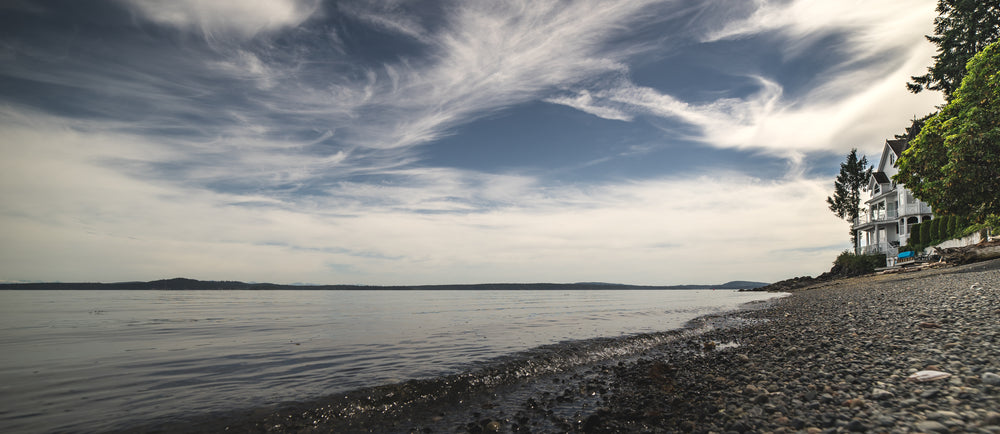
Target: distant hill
191	284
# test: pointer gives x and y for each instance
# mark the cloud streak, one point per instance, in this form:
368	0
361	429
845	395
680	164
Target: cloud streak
852	103
294	140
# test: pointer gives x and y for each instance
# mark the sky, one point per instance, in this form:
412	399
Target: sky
407	142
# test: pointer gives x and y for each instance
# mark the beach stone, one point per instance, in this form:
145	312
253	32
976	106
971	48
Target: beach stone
856	426
881	394
990	378
939	415
739	427
930	393
885	421
992	419
932	426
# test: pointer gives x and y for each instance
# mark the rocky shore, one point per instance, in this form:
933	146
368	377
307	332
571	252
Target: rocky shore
838	357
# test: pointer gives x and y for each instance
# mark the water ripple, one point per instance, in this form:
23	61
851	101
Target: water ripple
99	360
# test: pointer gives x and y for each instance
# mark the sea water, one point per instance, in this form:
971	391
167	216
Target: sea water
101	360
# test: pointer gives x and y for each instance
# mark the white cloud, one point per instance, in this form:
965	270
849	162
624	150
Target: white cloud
858	103
584	102
68	216
491	55
246	65
387	15
870	28
221	18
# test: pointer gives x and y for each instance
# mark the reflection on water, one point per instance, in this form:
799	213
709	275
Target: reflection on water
92	360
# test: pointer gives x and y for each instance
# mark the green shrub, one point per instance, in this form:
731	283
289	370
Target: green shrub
969	227
849	264
915	235
925	233
935	228
944	229
963	226
953	226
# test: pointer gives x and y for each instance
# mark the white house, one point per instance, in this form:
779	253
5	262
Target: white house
891	211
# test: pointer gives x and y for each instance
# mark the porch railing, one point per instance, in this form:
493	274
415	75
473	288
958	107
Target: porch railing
881	216
890	215
914	208
887	248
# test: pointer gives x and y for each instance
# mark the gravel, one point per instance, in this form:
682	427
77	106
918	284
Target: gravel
832	359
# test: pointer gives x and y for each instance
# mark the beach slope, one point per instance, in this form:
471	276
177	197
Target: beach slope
844	356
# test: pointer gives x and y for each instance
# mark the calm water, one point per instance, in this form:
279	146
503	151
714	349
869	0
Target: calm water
96	360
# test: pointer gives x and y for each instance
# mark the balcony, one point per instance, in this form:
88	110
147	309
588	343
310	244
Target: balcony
889	249
878	217
914	209
887	216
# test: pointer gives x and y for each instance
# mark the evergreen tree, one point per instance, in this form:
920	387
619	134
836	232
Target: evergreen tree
846	199
962	29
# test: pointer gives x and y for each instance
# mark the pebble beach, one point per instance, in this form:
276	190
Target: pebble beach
842	357
902	353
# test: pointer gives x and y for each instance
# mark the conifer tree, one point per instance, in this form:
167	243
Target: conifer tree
962	29
846	199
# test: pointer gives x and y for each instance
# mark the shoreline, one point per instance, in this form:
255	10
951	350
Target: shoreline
832	357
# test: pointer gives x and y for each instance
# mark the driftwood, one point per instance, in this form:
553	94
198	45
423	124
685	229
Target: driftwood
969	254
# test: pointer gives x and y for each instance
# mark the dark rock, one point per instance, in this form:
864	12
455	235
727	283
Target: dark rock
856	426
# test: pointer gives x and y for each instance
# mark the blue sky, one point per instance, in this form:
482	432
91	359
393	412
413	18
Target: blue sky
436	142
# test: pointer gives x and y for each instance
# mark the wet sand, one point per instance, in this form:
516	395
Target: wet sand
830	358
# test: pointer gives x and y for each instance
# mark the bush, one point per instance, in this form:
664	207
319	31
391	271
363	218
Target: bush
849	264
925	233
963	226
915	235
935	230
953	227
944	230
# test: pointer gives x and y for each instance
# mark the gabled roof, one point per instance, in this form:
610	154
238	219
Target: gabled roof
892	147
898	146
880	177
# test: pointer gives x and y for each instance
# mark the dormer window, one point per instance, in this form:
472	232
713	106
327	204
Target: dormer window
878	189
892	159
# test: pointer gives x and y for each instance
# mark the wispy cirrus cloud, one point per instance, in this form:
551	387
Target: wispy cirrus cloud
226	18
285	141
854	101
